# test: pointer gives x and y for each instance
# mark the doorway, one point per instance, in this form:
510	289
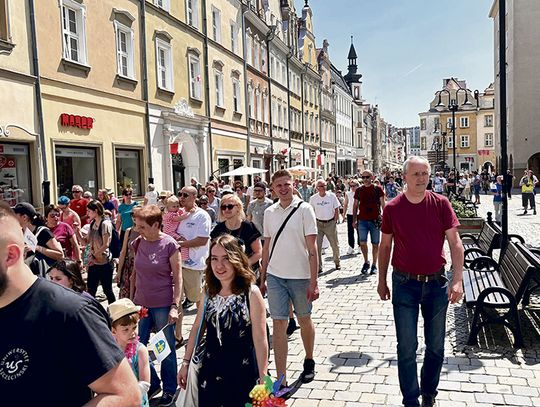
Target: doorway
178	170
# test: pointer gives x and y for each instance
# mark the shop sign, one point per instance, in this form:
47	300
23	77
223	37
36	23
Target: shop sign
72	120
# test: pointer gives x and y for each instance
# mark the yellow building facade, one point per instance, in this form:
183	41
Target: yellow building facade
91	85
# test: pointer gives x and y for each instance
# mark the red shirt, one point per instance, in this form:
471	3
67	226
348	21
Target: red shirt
79	206
419	232
369	201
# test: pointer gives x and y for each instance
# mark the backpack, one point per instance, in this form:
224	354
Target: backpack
115	246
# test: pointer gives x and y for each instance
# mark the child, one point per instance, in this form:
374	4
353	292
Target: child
171	219
125	318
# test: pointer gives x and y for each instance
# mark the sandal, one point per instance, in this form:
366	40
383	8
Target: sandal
179	342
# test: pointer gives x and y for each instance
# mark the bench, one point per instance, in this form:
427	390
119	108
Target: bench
482	244
495	289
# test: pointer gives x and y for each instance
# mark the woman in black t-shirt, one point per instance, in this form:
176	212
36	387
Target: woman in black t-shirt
233	222
48	249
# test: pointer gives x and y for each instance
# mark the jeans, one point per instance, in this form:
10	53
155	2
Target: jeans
366	227
432	299
158	318
350	233
101	273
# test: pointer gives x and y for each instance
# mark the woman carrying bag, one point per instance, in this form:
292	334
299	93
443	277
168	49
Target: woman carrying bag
48	249
233	356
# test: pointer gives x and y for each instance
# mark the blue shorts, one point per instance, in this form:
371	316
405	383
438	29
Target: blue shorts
282	291
368	226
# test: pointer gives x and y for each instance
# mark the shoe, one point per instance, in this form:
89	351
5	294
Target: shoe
373	270
186	304
428	401
166	400
320	271
365	268
338	266
534	212
350	251
179	342
284	392
525	212
291	327
153	392
308	374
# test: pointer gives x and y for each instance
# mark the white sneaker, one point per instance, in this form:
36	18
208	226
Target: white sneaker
350	251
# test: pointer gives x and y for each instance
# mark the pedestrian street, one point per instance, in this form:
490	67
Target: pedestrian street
355	346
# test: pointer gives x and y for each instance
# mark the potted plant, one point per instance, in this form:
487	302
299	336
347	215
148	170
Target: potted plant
469	221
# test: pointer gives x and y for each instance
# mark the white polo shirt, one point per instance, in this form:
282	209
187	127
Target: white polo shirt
324	206
290	258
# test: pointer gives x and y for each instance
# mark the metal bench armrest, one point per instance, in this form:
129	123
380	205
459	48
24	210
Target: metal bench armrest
484	264
470	236
516	237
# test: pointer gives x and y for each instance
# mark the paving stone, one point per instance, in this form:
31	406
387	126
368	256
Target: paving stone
489	398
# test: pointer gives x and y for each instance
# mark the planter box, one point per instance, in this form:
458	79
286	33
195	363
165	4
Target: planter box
470	225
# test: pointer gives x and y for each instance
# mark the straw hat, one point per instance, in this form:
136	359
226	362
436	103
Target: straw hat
121	308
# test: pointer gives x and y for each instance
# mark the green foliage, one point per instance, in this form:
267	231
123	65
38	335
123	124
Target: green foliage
461	210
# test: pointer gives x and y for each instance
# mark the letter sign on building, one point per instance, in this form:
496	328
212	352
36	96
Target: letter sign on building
81	122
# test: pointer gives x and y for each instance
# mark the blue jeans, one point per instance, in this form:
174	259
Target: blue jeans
432	299
157	317
368	226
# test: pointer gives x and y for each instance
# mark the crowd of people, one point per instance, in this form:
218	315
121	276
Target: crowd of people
223	247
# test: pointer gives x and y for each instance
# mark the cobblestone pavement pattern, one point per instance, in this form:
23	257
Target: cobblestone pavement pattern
355	347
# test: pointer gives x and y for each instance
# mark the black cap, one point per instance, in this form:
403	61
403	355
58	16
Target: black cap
24	208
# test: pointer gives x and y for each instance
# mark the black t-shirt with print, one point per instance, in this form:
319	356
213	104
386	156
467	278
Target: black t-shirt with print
246	234
54	343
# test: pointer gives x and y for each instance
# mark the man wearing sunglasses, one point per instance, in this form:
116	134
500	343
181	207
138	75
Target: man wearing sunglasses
367	212
78	203
196	232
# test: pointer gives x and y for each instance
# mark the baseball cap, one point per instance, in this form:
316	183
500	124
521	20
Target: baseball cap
63	200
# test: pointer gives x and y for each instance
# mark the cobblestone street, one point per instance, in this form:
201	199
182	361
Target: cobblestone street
355	344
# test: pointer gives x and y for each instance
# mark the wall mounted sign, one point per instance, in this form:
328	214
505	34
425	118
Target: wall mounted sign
71	120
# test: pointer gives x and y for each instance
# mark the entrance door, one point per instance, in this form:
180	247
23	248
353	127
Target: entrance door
179	176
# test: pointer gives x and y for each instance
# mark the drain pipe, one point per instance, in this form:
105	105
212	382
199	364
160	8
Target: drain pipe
207	85
145	92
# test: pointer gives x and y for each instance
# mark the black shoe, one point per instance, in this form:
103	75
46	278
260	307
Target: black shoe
153	392
186	304
308	374
291	327
365	268
166	400
428	401
338	266
373	269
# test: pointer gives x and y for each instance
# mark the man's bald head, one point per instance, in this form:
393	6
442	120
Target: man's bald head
11	250
10	227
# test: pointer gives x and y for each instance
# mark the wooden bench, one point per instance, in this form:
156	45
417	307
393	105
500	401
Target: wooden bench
482	244
495	289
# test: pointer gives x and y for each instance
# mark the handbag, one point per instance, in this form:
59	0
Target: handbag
190	396
39	266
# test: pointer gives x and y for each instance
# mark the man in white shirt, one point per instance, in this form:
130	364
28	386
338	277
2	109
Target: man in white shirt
438	183
326	206
289	267
195	235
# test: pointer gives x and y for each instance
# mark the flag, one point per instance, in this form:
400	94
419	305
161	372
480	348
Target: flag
320	159
159	346
285	151
175	148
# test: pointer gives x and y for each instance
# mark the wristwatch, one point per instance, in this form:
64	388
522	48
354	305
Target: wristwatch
175	305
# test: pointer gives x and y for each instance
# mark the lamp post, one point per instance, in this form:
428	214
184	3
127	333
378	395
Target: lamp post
453	106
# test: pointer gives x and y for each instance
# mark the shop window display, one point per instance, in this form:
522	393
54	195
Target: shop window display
76	166
15	185
128	171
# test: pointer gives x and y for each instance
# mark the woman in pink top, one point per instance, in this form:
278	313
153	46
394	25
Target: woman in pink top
63	233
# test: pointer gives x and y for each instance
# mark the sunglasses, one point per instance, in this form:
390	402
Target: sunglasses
128	193
228	207
258	190
76	192
54	215
184	195
366	176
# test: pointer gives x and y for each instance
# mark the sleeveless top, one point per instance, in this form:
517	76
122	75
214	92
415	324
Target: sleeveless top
135	368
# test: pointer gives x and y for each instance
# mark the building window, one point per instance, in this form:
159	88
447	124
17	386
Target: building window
164	4
15	176
488	120
234	38
124	50
216	24
164	65
259	104
449	124
4	21
422	124
250	101
128	170
463	122
192	13
423	143
249	51
218	76
74	31
195	87
237	104
266	115
464	141
76	166
488	140
256	54
436	124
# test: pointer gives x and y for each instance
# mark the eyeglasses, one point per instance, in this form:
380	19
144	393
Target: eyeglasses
258	190
54	215
203	203
366	176
184	195
228	207
76	192
210	191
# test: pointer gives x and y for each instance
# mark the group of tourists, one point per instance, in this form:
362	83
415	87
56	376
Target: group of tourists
233	251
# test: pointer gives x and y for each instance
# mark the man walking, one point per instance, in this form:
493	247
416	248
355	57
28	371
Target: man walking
44	320
289	267
326	206
257	206
527	184
348	211
367	209
305	191
416	223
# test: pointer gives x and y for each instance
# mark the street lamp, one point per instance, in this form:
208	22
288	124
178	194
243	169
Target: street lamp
453	106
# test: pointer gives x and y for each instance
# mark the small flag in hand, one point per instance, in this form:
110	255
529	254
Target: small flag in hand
159	346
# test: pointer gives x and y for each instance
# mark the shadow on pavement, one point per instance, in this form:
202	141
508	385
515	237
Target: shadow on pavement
350	280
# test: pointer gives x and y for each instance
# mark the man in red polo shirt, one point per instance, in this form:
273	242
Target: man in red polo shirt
417	223
78	203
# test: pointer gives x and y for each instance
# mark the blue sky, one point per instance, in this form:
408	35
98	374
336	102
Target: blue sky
406	47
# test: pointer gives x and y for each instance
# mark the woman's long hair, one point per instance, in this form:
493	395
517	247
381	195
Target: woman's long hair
72	271
244	276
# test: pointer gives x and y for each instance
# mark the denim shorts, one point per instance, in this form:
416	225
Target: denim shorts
368	226
282	291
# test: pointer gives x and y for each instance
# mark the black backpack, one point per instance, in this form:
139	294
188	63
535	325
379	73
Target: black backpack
115	247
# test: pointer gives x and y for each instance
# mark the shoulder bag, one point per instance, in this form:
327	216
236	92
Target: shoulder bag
274	240
190	396
39	266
